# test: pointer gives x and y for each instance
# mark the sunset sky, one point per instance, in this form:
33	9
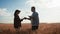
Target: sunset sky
49	10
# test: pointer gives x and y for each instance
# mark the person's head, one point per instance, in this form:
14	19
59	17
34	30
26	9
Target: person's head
17	12
33	9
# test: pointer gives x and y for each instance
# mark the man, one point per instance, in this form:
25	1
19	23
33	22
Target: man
34	19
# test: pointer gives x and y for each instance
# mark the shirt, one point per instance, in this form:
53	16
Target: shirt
35	19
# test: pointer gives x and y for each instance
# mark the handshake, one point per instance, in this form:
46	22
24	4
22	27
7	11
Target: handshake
24	18
27	18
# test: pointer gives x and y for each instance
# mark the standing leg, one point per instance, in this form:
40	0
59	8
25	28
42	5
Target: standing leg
17	31
36	29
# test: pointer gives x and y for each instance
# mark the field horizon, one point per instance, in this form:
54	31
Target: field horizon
44	28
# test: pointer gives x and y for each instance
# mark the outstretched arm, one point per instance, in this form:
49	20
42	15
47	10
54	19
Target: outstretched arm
27	18
31	17
21	19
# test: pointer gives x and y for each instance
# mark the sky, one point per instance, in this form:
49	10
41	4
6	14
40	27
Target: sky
48	10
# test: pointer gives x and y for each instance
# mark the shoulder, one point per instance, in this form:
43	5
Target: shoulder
36	13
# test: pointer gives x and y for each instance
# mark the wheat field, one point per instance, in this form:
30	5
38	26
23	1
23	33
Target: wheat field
44	28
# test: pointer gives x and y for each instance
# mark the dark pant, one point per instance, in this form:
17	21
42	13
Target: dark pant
34	28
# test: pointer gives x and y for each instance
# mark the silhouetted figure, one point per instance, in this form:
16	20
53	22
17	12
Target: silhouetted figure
17	21
34	20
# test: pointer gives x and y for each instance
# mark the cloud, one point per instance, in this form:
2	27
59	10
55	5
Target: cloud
3	12
53	3
43	3
39	3
5	16
49	10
